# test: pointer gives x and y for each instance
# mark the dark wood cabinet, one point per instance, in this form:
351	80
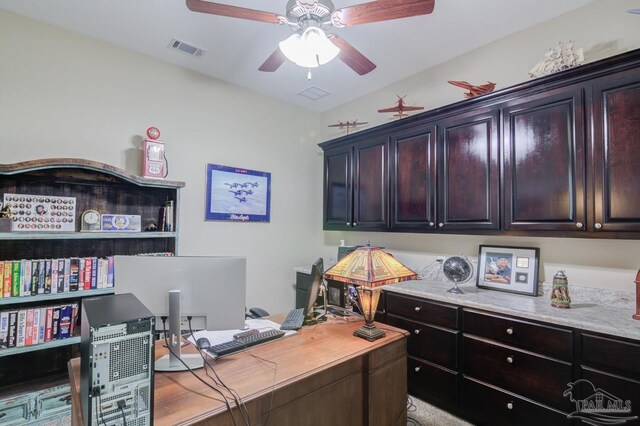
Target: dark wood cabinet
555	156
469	172
615	153
413	178
356	185
544	161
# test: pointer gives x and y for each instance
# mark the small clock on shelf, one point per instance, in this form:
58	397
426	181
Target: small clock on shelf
90	221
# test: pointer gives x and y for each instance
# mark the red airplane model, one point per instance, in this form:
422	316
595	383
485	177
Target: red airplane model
474	90
401	108
348	124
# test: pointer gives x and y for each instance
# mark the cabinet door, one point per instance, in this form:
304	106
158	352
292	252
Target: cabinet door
337	188
413	179
544	162
469	188
616	153
370	185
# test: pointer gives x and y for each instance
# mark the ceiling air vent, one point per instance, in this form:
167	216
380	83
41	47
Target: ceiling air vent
186	48
314	93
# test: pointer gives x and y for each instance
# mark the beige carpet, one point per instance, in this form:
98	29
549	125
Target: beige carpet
419	413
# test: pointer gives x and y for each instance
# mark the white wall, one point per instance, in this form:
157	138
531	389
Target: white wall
602	29
66	95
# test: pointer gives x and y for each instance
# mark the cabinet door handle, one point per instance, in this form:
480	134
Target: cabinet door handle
510	359
417	369
510	405
417	308
355	224
416	331
598	225
510	330
440	224
579	225
432	224
348	223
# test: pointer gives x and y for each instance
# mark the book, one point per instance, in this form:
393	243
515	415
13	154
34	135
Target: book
1	279
8	268
15	279
74	318
40	276
74	271
35	332
12	334
103	268
48	327
28	331
25	273
67	273
4	328
110	272
35	276
21	325
55	322
54	276
61	275
64	322
94	273
43	324
47	276
87	273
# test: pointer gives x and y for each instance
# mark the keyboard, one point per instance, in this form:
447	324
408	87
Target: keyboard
243	343
294	320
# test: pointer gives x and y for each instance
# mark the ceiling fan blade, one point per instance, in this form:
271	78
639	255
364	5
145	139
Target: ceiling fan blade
233	11
352	57
381	10
273	62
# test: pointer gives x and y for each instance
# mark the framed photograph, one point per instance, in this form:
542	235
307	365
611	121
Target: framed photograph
511	269
237	195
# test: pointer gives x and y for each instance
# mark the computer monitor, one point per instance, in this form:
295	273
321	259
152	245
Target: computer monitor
212	288
317	269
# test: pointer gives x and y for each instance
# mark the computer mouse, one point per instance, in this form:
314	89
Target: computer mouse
203	343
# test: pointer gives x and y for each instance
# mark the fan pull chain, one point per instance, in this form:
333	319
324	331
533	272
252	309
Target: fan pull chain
309	74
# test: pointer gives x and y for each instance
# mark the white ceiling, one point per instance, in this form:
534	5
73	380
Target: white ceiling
235	48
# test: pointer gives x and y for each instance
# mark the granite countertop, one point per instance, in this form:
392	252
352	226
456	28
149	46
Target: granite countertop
592	309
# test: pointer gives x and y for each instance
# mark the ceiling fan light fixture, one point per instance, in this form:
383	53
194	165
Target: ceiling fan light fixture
310	49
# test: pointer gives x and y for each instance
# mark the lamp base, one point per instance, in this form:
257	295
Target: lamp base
455	289
369	332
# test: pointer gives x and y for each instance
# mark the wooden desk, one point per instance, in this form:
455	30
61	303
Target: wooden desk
324	376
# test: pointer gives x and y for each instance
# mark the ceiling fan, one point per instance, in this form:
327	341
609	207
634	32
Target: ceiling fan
309	46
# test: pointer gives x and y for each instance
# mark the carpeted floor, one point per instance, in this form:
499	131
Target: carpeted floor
419	413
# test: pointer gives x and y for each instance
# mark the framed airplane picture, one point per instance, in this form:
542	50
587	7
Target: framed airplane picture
238	195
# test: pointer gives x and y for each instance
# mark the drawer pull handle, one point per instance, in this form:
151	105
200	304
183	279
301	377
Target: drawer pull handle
579	225
510	330
416	331
510	359
417	308
417	369
510	405
598	225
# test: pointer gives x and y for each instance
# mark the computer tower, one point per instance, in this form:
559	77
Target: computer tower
117	357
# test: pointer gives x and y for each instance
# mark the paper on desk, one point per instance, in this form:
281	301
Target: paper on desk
221	336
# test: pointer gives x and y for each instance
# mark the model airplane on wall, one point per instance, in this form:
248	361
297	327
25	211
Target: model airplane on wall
474	91
303	14
401	108
348	124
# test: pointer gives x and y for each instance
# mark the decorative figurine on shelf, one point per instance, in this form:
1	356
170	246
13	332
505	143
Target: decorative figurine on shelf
636	316
154	163
560	291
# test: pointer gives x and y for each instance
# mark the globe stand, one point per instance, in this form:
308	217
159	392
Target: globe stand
455	289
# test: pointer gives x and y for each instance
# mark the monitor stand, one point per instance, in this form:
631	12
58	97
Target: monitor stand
171	361
314	318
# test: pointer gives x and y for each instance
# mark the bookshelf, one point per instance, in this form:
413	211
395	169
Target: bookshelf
93	186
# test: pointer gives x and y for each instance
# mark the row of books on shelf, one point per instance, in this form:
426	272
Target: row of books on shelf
41	324
28	277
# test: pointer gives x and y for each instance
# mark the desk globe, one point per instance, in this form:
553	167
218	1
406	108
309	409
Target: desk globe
457	269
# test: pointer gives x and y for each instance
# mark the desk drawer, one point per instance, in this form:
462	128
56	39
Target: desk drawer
487	405
422	310
552	341
620	356
431	383
435	344
540	378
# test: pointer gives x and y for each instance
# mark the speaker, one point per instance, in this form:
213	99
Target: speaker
117	357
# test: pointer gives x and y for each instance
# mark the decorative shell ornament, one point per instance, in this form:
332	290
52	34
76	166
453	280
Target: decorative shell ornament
559	58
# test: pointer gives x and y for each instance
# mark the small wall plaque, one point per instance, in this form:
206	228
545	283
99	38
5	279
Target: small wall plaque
120	223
